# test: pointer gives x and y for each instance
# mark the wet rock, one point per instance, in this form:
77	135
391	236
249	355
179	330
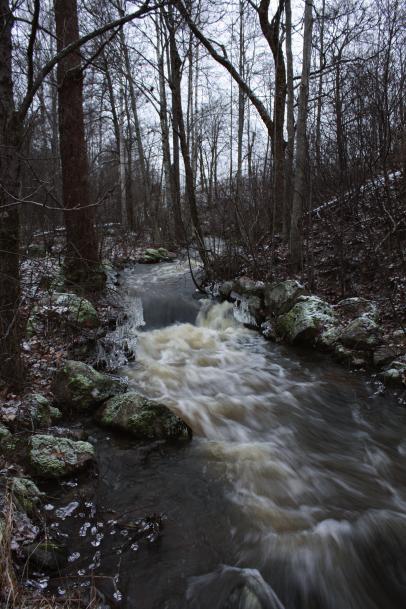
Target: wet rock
4	432
361	333
53	457
395	374
306	320
281	296
74	309
352	359
144	419
81	386
48	554
357	307
26	493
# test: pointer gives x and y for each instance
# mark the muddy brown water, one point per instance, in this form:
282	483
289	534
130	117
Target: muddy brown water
294	483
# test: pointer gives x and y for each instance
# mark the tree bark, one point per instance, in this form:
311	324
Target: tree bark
82	263
10	142
301	143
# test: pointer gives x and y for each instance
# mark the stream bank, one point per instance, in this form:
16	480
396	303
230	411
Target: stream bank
292	485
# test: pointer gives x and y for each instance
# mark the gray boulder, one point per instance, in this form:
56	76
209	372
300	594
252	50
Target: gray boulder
81	386
357	307
52	457
144	419
249	287
305	320
362	333
281	296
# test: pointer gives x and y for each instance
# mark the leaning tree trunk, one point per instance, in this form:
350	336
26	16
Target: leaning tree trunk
10	140
82	262
301	143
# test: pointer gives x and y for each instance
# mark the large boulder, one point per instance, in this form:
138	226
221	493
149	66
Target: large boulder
281	296
52	457
81	386
305	320
361	333
74	309
144	419
357	307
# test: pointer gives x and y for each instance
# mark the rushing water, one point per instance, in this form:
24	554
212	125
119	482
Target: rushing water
292	493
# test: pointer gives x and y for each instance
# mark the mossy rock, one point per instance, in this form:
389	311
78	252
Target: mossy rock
79	385
144	419
26	493
281	296
305	321
35	411
4	432
75	310
53	457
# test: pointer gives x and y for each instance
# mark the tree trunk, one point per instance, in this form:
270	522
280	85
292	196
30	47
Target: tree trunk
301	143
82	263
290	124
181	134
10	141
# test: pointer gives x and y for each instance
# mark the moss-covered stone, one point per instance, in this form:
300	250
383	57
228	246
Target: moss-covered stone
4	432
305	320
35	411
53	457
81	386
281	296
142	418
26	493
75	309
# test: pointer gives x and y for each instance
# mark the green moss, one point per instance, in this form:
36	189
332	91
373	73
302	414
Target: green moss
53	457
4	432
305	320
26	493
82	386
143	418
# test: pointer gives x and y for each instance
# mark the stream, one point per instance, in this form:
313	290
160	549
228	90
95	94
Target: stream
292	493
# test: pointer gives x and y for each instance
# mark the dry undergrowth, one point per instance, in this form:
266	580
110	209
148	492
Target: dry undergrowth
13	595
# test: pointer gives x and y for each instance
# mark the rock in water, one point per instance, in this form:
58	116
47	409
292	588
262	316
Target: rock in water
231	588
305	320
144	419
53	457
81	386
